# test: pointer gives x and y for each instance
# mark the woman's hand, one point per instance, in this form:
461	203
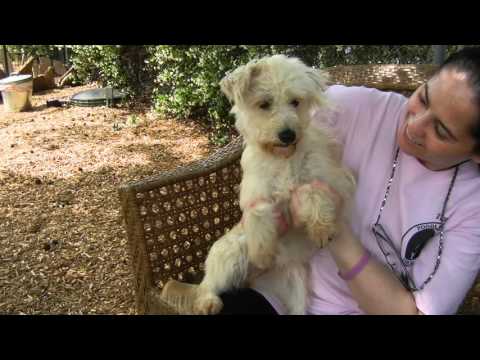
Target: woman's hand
345	242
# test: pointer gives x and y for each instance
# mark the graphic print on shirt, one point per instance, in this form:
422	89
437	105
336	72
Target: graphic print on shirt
416	239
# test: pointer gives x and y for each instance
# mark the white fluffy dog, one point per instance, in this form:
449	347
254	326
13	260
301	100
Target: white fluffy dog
285	158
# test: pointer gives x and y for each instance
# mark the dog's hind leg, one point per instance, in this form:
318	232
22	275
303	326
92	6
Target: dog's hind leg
295	287
226	267
288	284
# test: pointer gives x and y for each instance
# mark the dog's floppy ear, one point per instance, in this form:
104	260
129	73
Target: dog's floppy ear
235	84
226	85
319	81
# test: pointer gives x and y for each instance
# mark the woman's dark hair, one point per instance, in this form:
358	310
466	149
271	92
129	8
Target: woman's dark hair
468	60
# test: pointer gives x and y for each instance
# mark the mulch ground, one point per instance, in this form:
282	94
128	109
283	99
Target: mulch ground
62	239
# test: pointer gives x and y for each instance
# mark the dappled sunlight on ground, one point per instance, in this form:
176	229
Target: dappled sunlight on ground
62	240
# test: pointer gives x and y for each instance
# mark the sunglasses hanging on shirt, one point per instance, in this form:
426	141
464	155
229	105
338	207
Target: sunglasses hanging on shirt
416	243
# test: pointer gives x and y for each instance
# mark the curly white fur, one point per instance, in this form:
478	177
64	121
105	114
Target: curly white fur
270	96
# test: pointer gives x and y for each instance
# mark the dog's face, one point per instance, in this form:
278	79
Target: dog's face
272	100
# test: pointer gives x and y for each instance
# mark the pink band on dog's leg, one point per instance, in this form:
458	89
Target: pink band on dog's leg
257	201
351	274
282	223
320	185
252	205
324	186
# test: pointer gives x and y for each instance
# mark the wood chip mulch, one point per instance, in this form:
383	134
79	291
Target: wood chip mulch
62	239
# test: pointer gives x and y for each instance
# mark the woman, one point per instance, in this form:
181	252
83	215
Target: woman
413	243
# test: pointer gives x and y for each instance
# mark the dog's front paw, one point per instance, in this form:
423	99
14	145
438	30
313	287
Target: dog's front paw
316	206
321	234
208	304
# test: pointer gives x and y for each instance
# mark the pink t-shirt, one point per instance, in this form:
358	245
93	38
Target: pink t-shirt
366	122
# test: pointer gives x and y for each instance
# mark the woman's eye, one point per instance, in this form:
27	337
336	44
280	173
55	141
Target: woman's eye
422	101
441	133
265	105
295	103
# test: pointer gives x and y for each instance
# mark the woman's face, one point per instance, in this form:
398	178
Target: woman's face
440	116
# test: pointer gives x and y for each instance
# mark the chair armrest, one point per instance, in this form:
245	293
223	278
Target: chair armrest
172	219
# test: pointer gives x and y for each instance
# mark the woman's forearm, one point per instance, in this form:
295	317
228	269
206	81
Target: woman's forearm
376	289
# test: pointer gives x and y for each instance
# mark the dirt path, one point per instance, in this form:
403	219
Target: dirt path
62	241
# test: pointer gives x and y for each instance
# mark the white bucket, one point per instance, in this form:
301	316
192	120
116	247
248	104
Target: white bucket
17	93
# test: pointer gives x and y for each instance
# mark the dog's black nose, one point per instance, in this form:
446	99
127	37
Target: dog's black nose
287	136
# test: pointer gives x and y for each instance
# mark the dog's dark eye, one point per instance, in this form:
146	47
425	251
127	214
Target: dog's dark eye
265	105
295	103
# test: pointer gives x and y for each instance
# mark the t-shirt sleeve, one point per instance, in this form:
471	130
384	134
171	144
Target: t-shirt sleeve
349	108
459	266
361	119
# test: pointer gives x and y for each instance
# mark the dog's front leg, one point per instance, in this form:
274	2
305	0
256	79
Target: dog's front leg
260	224
316	207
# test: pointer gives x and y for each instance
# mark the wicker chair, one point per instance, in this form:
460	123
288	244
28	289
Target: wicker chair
172	219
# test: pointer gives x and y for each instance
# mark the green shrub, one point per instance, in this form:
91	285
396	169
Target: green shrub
120	66
34	50
186	83
187	80
99	63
